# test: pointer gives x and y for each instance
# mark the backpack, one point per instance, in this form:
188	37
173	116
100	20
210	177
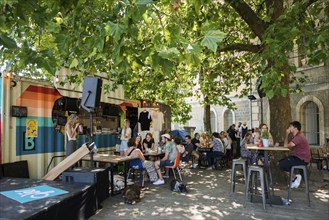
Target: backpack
131	194
177	186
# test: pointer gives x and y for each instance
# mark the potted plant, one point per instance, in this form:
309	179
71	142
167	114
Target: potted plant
265	135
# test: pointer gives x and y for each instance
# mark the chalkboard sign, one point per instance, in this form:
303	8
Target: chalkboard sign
111	110
18	111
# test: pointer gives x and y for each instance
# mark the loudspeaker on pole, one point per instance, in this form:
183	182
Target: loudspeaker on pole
91	93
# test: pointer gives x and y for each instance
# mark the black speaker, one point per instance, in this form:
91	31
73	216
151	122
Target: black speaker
100	177
91	93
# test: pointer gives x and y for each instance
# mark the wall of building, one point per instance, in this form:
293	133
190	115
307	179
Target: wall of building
315	89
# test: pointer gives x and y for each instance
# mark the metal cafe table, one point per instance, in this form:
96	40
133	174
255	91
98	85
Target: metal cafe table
112	160
274	199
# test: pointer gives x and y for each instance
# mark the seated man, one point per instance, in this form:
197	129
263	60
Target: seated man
188	149
168	159
196	145
301	152
217	150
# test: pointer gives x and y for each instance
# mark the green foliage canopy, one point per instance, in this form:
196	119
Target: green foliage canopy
166	50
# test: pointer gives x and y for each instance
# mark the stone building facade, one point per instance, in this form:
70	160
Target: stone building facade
310	108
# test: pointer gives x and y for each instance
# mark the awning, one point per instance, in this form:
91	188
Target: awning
75	91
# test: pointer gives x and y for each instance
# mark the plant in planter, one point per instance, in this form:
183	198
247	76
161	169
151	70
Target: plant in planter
265	135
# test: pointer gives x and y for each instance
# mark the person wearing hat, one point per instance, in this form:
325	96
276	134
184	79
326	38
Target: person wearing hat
168	159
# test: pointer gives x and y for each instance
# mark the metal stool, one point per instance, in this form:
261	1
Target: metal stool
262	173
236	162
304	168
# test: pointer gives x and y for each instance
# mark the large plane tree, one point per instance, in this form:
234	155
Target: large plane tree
170	50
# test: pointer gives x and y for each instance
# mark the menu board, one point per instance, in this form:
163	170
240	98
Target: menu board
18	111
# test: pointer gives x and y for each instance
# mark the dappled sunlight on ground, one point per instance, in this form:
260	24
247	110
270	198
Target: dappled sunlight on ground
208	197
322	194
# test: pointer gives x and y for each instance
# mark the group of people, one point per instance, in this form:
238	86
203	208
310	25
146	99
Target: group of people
146	145
294	140
220	143
153	168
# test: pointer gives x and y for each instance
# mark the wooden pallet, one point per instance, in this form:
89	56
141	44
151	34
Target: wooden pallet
67	163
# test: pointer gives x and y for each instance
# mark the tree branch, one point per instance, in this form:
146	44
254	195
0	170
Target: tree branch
241	47
277	10
257	25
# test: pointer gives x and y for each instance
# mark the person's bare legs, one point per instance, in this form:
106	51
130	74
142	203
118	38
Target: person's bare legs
157	167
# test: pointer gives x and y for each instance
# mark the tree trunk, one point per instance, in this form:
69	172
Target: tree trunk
280	114
280	117
206	118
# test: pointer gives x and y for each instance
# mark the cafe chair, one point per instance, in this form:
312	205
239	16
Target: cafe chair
137	165
252	170
238	162
175	166
316	157
304	169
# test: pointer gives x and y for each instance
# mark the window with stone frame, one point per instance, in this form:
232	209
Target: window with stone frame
311	123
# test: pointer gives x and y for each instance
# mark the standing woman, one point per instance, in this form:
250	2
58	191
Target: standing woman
71	130
125	136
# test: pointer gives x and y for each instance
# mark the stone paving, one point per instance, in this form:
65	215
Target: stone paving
209	198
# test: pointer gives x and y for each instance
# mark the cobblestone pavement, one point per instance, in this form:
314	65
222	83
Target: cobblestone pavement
209	198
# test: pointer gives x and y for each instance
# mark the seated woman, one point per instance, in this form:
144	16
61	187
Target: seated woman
258	140
138	142
258	135
148	143
205	140
227	141
133	151
217	150
179	146
248	154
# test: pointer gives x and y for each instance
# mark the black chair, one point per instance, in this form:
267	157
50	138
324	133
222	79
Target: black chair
17	169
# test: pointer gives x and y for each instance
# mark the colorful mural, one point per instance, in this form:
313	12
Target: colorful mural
35	134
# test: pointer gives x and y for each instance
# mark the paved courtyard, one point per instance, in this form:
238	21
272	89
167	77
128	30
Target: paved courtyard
208	198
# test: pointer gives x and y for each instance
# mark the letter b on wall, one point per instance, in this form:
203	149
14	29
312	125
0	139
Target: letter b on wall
91	93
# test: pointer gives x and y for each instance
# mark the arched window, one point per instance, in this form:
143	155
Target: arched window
311	126
228	119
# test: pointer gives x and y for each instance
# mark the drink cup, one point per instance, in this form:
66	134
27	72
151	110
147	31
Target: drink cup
80	129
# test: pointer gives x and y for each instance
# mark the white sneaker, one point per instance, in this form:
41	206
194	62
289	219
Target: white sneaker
296	182
159	182
209	168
